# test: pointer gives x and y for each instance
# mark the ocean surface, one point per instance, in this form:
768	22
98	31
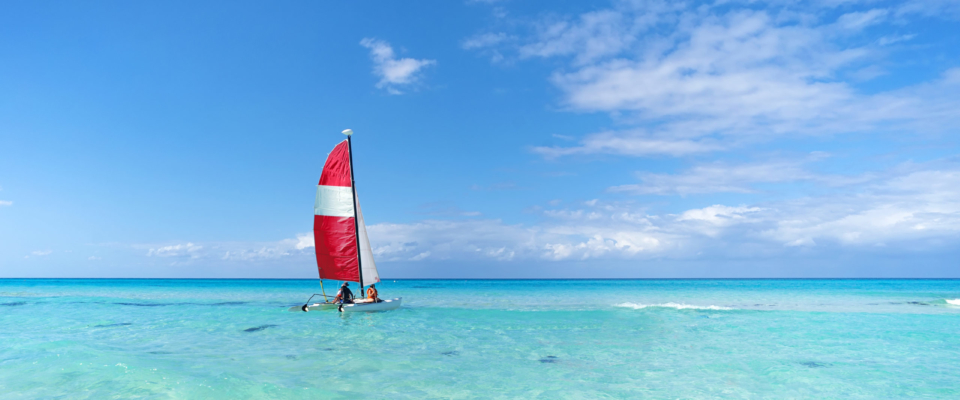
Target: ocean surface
577	339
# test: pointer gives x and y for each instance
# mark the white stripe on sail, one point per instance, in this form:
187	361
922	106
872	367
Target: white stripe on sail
368	266
333	201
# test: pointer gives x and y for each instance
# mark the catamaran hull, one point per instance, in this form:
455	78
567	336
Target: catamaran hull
385	305
315	307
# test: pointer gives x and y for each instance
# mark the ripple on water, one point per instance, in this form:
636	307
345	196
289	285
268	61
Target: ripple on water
112	325
258	328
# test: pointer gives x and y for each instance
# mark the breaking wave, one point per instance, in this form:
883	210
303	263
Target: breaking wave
954	302
677	306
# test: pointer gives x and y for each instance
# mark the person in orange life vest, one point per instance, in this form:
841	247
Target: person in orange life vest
372	294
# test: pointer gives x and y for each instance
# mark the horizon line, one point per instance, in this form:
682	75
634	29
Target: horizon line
499	279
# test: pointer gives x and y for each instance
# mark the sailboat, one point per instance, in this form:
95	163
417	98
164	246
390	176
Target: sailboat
340	236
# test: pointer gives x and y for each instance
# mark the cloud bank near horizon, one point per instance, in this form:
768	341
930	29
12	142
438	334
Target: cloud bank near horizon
912	208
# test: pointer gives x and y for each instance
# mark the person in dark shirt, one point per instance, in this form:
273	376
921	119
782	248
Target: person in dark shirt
344	296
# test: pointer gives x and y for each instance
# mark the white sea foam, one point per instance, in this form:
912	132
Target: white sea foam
677	306
954	302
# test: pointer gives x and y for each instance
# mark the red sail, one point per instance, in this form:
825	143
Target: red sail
334	225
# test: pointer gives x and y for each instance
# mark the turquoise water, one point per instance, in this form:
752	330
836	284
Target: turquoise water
665	339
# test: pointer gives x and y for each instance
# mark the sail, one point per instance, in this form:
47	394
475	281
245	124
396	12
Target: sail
370	274
335	227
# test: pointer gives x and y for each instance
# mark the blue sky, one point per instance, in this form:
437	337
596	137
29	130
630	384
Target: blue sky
499	139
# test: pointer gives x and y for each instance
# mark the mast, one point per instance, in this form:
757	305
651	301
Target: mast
356	220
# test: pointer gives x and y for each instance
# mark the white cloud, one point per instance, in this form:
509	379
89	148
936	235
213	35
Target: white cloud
574	234
486	44
304	241
718	214
631	143
710	220
915	206
591	36
300	245
443	239
41	252
888	40
701	79
393	72
420	256
742	65
952	76
912	206
578	235
93	258
179	250
868	73
930	8
262	253
736	178
484	40
860	20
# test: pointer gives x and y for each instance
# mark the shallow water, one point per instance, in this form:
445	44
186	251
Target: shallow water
489	339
